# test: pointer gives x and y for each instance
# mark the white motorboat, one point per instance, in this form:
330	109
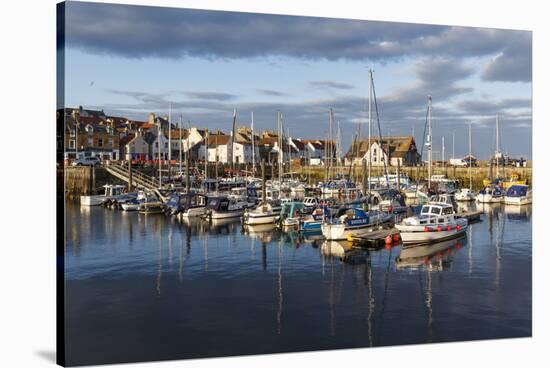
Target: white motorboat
111	191
218	208
353	222
518	195
436	222
490	194
465	195
262	214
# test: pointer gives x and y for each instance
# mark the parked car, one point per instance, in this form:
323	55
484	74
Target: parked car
87	161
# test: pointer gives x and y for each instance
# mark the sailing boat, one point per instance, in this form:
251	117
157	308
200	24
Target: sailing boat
501	181
466	194
355	221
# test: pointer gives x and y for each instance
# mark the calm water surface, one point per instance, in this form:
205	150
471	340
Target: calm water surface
147	287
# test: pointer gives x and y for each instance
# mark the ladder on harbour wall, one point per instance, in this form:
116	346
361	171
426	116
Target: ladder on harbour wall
120	171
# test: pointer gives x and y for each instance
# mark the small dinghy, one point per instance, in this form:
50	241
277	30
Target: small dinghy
312	222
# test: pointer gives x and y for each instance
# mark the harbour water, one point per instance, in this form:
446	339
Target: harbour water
149	287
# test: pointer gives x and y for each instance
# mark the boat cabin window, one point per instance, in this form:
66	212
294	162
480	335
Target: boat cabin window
447	211
441	220
436	210
425	209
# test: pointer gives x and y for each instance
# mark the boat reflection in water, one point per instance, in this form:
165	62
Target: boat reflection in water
433	257
344	251
264	232
522	213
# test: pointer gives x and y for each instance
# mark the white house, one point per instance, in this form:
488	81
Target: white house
219	148
163	140
134	147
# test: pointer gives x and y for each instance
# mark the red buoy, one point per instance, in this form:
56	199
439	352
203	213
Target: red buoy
449	227
396	237
439	228
458	227
426	229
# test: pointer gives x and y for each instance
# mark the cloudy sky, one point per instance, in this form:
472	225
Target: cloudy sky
132	60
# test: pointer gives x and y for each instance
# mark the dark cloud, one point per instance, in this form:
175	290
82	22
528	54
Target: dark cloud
217	96
514	62
273	93
331	84
143	32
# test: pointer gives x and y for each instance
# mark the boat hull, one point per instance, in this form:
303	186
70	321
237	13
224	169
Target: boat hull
414	234
193	212
256	219
92	200
344	231
488	198
219	215
518	201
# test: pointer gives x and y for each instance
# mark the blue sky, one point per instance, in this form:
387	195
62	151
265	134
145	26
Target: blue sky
132	60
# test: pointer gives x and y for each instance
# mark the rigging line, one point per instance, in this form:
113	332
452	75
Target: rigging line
380	132
422	148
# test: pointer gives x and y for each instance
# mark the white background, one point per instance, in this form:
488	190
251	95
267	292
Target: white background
27	208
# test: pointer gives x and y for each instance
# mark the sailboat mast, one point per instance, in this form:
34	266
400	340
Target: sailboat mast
369	145
169	140
443	151
233	142
497	152
181	142
252	134
470	154
280	153
206	154
330	147
429	141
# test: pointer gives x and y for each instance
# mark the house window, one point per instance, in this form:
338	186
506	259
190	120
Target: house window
110	141
72	133
165	144
71	143
90	142
156	144
100	142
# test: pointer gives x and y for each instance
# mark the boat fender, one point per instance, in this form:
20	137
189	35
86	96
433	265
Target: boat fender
426	229
458	227
449	227
439	228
